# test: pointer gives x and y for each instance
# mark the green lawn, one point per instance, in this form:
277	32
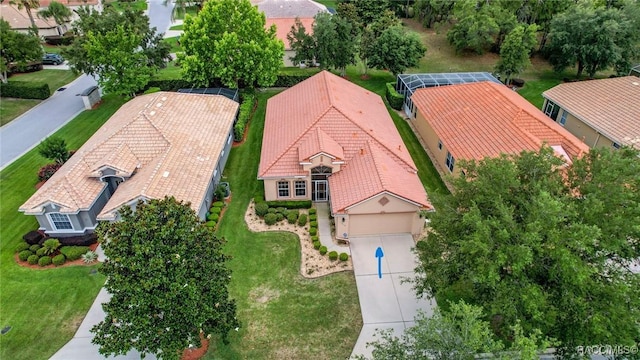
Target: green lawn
180	14
12	108
121	5
174	43
300	318
42	307
329	3
176	27
54	49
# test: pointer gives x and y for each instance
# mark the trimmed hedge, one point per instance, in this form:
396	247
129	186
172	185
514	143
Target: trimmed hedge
218	204
285	80
25	90
33	259
169	84
333	255
317	245
313	231
44	261
22	247
344	256
323	250
24	255
279	217
211	224
296	204
73	252
315	238
292	217
313	224
65	39
246	108
302	220
34	248
262	209
213	217
41	252
313	211
58	260
395	99
271	218
215	210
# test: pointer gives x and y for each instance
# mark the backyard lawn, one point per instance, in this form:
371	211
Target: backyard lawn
42	307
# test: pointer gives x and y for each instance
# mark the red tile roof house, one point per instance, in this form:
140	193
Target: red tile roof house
283	13
484	119
327	139
155	145
602	113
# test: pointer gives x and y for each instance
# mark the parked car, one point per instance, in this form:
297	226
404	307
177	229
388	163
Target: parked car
52	59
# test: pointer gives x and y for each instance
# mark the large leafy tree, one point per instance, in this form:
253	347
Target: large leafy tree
367	10
516	50
28	6
430	12
117	47
56	11
168	279
336	43
532	241
371	33
592	39
228	41
302	43
396	49
16	49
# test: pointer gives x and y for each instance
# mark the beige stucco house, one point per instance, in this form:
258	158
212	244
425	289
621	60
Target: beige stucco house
329	140
484	119
19	21
602	113
156	145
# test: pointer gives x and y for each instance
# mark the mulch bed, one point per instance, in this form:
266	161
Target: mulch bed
67	263
196	353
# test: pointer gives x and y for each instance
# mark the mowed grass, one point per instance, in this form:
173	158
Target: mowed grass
42	307
283	315
12	108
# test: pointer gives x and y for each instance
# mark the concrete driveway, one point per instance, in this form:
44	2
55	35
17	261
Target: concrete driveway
386	302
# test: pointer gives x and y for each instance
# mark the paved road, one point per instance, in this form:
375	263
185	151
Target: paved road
386	302
26	132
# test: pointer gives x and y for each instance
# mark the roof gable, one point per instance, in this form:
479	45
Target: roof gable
319	142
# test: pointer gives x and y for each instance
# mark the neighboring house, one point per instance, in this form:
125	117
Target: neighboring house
19	21
602	113
635	71
155	145
327	139
283	13
484	119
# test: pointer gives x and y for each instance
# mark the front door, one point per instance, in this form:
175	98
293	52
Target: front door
320	190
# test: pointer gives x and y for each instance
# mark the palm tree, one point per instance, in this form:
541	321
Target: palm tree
27	5
58	12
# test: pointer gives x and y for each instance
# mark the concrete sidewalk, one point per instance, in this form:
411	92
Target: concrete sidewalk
324	230
386	302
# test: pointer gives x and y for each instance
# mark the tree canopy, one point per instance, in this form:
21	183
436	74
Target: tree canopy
336	43
17	50
302	43
56	11
532	241
516	50
54	148
168	279
396	49
117	47
28	6
228	41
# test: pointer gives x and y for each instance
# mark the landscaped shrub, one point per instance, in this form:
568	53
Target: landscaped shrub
58	260
344	256
65	39
246	108
295	211
302	220
211	224
215	210
33	259
22	247
82	240
270	219
279	217
312	211
313	231
34	248
313	217
47	171
32	237
73	252
297	204
51	246
24	255
41	252
152	90
262	209
218	204
213	217
272	210
170	84
333	255
316	245
292	217
323	250
44	261
287	80
281	209
89	257
25	90
313	224
395	99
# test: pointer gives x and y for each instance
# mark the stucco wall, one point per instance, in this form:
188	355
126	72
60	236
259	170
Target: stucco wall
584	132
285	59
271	189
439	156
324	161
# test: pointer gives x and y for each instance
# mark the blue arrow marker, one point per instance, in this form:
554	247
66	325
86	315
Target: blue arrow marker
379	255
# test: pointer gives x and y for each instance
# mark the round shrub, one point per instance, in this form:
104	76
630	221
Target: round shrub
218	204
58	260
313	217
302	220
313	223
211	224
272	211
294	211
41	252
34	248
333	255
323	250
270	219
215	210
44	261
315	238
22	247
316	245
312	211
344	256
262	209
279	217
33	259
313	231
281	210
24	255
72	253
292	218
213	217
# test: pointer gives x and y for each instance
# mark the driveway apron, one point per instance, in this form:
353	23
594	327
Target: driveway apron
386	301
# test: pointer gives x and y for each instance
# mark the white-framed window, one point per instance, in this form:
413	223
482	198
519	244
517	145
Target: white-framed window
60	221
563	118
439	144
301	187
450	162
615	145
283	189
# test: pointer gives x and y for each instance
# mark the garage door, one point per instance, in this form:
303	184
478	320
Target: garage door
371	224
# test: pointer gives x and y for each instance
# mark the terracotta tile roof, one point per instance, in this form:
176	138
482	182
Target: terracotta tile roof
283	26
485	119
19	19
319	142
171	140
610	106
371	172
